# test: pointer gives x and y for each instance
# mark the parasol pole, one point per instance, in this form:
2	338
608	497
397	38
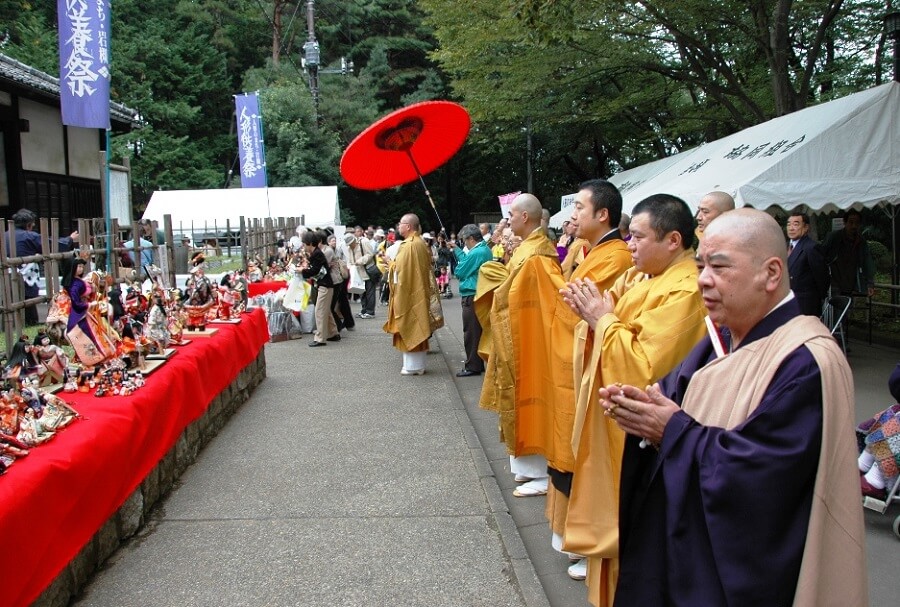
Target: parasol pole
425	187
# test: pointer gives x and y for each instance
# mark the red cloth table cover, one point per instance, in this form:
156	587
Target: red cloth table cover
261	288
55	499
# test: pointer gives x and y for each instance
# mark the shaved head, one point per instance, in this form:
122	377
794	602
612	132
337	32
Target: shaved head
529	203
742	259
754	231
723	201
525	215
409	223
711	206
412	220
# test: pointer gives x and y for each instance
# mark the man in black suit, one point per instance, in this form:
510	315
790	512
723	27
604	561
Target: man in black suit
806	266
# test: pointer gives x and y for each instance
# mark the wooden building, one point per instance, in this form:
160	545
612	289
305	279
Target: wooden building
45	166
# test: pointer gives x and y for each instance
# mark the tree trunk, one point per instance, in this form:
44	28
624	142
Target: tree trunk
276	32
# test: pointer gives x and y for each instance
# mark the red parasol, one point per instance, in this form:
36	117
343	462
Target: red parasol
406	145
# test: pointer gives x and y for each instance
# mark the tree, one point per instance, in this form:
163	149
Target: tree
29	34
609	84
725	48
174	61
298	152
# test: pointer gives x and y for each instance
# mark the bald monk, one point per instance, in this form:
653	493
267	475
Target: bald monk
517	373
595	221
636	332
748	493
711	206
411	281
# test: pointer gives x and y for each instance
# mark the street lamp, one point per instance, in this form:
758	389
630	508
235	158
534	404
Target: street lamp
892	31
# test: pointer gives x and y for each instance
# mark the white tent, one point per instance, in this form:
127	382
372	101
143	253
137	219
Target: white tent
198	208
625	181
830	156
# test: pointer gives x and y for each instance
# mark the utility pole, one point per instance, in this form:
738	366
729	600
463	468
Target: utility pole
311	56
312	59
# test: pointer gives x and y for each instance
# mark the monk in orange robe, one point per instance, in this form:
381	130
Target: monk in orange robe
634	333
595	220
520	321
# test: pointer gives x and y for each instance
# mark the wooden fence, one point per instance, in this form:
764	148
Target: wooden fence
254	238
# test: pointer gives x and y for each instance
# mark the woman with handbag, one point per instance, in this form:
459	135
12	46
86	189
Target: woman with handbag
361	261
340	272
316	267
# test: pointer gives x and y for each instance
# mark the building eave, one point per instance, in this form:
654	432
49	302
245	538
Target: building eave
33	83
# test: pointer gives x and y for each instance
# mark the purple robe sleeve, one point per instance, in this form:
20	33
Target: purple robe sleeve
79	306
723	518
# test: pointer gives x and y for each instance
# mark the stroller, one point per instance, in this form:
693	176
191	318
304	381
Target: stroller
442	277
876	434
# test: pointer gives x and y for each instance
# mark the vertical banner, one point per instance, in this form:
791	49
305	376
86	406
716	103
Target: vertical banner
250	140
84	62
506	201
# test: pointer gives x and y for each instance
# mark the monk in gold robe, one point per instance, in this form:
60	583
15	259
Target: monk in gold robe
520	321
595	222
634	333
410	318
575	256
491	275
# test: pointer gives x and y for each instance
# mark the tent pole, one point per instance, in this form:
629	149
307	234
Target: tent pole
895	270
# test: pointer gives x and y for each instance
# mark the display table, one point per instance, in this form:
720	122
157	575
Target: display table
261	288
54	501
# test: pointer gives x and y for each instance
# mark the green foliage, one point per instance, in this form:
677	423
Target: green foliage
173	68
298	153
28	34
880	255
599	85
608	84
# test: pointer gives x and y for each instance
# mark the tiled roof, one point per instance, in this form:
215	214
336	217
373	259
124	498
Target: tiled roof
15	71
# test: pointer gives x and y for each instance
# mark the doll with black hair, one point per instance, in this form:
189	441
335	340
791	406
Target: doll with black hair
91	343
22	362
51	357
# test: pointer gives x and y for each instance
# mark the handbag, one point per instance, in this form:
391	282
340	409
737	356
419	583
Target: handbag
357	284
342	268
373	271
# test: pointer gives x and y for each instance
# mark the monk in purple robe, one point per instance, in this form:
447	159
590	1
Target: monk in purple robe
739	484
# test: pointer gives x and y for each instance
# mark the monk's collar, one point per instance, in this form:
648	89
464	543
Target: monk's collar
613	234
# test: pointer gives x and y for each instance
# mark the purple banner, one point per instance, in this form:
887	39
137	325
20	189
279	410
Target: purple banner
250	141
84	62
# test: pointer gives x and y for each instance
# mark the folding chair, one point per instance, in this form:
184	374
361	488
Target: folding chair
833	314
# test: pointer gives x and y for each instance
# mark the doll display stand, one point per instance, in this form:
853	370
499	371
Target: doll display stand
207	332
230	321
164	355
152	364
52	388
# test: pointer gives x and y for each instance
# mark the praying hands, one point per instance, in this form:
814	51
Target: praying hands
587	301
637	412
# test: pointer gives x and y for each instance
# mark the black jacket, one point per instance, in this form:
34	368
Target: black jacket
809	275
318	266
